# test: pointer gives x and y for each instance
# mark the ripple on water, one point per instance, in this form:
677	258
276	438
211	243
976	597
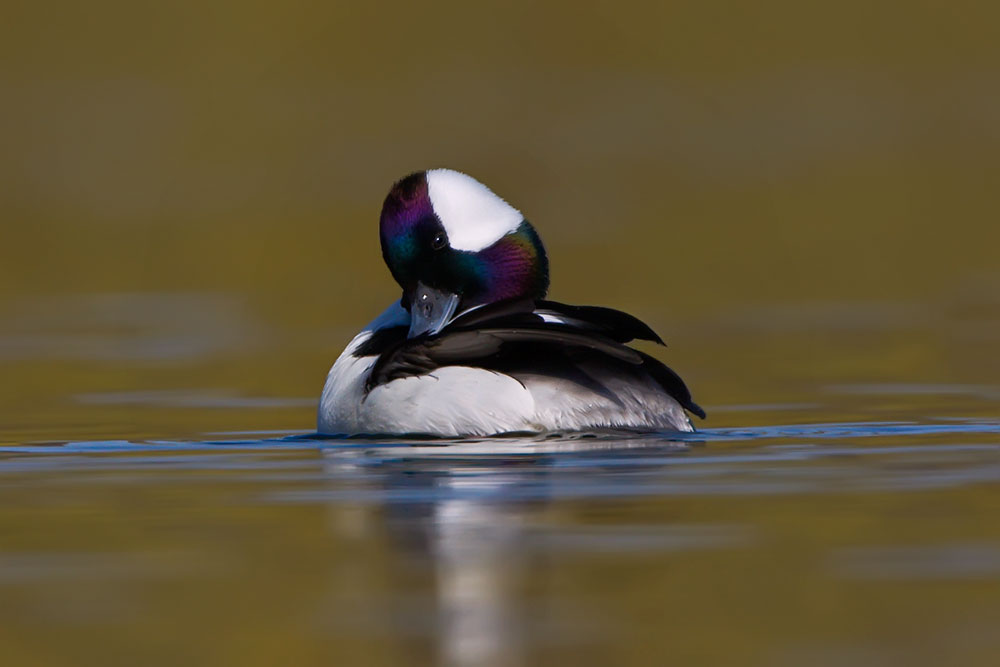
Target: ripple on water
795	459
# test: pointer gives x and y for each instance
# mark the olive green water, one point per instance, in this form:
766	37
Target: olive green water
802	200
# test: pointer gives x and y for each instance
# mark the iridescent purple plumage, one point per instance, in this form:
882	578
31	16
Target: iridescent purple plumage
514	267
406	204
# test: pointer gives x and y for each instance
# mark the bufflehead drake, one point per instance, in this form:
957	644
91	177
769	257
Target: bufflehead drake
472	348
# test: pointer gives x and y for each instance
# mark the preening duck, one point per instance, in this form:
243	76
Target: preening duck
473	348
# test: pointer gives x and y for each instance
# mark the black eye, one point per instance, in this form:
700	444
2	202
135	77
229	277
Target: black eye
439	241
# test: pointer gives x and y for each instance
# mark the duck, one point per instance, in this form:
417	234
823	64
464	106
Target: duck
474	348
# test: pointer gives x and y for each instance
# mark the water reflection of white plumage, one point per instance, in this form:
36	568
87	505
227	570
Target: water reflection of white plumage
471	513
477	549
466	511
461	519
471	517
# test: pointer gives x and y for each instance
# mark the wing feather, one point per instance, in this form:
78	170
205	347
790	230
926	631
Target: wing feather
523	336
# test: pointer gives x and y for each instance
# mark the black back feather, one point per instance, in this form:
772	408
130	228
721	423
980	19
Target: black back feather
615	324
512	337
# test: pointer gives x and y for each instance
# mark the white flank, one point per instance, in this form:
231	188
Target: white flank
473	216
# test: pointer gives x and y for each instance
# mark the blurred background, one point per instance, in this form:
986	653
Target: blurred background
802	198
791	193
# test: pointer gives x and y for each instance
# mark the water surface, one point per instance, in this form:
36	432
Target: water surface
837	543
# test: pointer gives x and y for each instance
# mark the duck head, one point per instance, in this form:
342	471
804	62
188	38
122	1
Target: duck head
452	245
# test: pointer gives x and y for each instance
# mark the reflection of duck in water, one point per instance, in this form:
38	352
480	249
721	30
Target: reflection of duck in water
472	347
467	545
468	519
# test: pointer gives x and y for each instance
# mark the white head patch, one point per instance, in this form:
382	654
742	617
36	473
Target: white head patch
472	215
